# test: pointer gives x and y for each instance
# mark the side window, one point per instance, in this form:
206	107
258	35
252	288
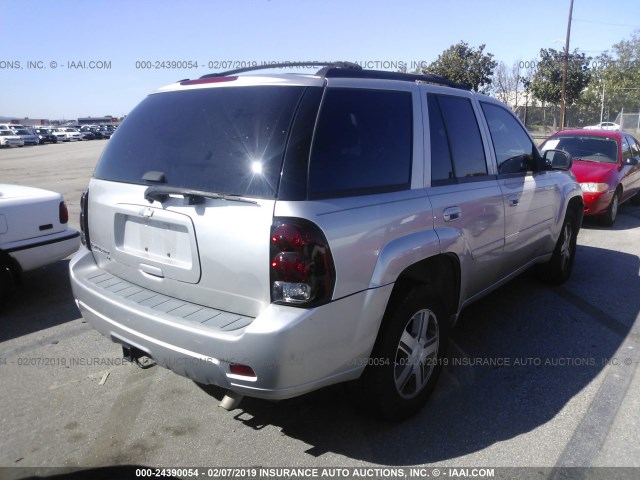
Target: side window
362	144
515	153
463	134
635	148
626	149
441	166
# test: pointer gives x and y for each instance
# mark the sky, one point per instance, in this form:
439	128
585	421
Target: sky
66	59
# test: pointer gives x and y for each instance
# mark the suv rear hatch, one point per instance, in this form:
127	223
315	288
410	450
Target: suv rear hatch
183	196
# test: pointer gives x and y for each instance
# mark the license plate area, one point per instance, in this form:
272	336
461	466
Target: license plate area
162	242
156	240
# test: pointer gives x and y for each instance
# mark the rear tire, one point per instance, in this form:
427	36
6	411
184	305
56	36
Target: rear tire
558	269
407	358
635	200
6	282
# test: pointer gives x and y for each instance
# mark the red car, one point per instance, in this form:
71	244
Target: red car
607	166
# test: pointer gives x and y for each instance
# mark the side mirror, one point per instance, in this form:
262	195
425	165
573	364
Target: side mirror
558	159
633	161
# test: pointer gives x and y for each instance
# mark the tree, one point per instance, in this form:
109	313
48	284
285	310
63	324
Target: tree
546	84
467	65
620	74
506	84
613	86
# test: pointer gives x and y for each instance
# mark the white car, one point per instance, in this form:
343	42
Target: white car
8	138
72	134
33	232
604	126
60	134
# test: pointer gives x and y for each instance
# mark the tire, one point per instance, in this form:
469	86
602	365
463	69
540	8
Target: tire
609	218
6	282
407	358
558	269
635	200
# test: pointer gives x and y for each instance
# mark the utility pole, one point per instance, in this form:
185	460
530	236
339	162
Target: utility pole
602	106
563	106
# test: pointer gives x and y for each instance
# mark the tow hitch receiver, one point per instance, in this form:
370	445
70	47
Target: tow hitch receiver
133	354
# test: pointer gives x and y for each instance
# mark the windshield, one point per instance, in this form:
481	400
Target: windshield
587	148
222	140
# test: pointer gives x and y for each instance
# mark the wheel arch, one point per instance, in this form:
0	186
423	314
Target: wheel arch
440	272
577	205
9	262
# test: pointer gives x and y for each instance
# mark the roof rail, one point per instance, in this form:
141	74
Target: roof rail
348	70
327	65
386	75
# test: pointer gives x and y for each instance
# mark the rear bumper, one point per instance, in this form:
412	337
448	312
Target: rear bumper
40	251
291	350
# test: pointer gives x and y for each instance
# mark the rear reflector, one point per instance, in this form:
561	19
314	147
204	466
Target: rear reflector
243	370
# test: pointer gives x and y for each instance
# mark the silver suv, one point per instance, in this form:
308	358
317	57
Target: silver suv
276	234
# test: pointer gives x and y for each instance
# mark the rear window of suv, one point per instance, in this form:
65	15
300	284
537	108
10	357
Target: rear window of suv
223	140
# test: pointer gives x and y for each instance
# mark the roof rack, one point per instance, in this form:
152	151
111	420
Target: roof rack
386	75
326	65
348	70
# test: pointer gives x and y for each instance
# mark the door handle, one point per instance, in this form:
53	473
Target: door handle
514	200
452	214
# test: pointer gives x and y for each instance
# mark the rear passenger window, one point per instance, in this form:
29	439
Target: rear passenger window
456	145
635	148
362	144
515	152
441	166
626	149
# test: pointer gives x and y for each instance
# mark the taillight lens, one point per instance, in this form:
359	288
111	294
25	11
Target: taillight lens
63	213
302	269
84	220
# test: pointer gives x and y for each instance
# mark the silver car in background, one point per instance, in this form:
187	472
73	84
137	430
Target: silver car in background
27	137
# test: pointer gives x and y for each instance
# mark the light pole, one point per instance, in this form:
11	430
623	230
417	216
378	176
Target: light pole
563	106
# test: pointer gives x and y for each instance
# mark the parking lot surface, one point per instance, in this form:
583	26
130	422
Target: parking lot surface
538	376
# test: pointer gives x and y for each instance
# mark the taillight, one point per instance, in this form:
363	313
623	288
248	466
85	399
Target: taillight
302	270
63	213
84	220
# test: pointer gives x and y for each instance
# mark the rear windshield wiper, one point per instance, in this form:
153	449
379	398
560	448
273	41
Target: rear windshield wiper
194	197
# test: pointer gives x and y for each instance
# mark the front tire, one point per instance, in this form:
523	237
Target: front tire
609	218
407	358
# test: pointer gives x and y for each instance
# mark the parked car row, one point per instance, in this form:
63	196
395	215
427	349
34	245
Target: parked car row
12	135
